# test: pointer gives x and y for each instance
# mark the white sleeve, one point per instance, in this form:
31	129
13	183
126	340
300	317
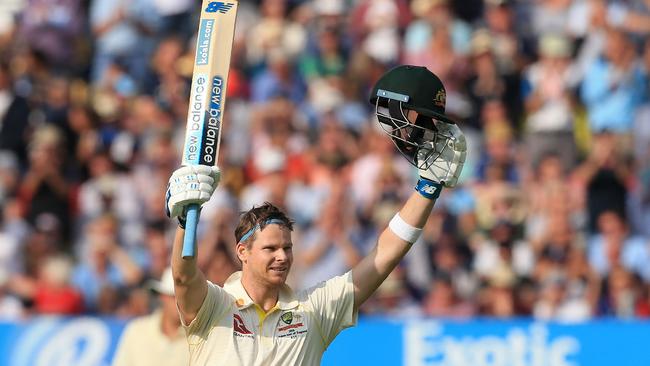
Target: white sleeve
215	305
333	304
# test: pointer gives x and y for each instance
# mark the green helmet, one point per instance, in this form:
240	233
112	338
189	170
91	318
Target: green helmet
406	88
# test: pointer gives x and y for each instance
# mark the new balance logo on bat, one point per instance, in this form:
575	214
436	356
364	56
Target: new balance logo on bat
218	6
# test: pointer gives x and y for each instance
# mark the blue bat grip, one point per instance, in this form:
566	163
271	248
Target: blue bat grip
192	220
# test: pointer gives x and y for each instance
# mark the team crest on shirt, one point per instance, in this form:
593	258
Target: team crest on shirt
239	329
287	317
290	325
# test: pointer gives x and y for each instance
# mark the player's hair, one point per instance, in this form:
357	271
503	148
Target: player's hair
260	216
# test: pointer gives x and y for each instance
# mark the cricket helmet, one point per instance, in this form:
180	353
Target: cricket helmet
406	88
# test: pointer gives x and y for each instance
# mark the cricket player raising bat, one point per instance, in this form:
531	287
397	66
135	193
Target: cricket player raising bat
255	318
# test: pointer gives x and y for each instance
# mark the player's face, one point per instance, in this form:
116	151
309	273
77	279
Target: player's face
270	256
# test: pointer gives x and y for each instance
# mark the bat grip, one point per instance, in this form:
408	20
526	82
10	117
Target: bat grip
192	220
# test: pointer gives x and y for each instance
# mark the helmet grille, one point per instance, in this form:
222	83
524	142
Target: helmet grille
416	141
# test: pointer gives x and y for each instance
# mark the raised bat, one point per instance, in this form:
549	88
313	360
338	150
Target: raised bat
207	96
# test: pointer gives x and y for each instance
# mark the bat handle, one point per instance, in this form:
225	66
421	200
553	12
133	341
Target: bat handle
192	220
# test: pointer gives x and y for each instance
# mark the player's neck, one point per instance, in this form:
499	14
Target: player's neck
262	294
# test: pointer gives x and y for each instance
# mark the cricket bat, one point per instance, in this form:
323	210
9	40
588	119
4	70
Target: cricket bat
207	96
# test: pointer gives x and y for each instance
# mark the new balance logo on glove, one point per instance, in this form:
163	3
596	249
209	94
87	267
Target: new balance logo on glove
428	189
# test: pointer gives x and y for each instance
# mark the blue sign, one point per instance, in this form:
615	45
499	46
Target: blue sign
88	341
83	341
427	342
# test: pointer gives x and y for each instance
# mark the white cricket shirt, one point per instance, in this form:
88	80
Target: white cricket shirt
230	329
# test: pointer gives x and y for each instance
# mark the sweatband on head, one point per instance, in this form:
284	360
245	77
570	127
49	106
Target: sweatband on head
250	232
404	230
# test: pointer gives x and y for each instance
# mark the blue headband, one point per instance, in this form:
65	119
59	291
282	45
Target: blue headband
250	232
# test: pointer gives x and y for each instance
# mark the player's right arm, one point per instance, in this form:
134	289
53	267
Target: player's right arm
190	286
188	185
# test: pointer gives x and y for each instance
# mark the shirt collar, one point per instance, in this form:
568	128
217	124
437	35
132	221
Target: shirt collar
286	299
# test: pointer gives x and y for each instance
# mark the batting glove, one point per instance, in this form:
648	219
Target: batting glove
444	160
192	184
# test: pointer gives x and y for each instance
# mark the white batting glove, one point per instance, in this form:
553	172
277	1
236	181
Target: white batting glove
448	153
192	184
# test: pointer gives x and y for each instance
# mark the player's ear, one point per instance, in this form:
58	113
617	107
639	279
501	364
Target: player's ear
242	252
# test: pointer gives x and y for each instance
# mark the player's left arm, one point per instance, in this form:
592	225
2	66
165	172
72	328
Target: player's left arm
404	229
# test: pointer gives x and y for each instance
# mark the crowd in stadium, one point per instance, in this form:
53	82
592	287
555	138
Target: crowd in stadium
551	219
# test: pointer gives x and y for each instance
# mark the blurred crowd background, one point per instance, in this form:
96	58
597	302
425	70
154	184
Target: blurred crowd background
551	219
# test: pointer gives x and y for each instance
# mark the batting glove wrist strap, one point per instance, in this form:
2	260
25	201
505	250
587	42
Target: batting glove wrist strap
428	188
182	219
403	229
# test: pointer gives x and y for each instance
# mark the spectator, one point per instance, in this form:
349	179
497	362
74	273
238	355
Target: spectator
328	59
165	77
393	298
105	265
217	257
377	159
45	192
547	94
551	16
488	84
84	138
14	113
110	192
54	29
507	45
555	303
499	147
122	31
271	32
547	196
377	28
497	298
440	57
330	247
613	86
604	176
175	17
614	246
444	302
157	339
429	15
502	252
619	294
156	249
449	259
279	79
51	292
